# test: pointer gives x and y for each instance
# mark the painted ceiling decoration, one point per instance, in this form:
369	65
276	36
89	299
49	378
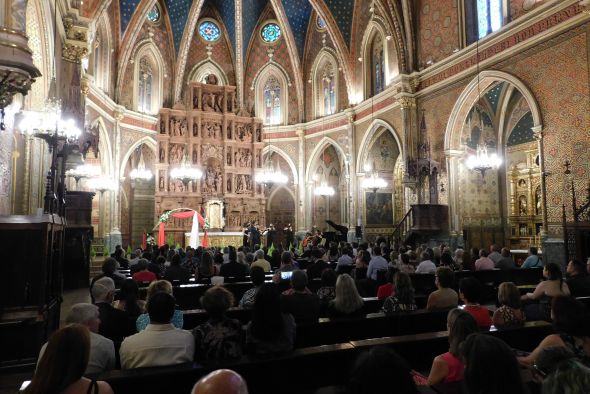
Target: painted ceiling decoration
341	10
178	11
127	8
251	10
227	12
298	13
493	95
523	131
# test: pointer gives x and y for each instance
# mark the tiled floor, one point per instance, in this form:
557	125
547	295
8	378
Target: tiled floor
10	383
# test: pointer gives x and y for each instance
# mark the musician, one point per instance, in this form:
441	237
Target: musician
270	233
288	231
246	234
254	235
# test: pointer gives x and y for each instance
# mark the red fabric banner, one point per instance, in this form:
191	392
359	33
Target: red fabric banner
161	236
205	242
187	215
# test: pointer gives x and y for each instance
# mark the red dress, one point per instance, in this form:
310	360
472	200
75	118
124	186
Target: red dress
144	276
455	367
481	315
385	291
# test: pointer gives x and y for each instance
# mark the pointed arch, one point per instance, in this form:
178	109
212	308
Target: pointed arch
101	54
264	76
326	58
150	142
274	193
374	34
206	67
104	146
286	157
148	56
376	129
319	148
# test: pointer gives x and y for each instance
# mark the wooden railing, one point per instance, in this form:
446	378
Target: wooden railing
403	228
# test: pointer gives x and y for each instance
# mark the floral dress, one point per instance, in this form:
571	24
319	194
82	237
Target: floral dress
218	339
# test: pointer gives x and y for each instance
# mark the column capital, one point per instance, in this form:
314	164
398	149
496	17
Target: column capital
350	115
406	101
300	133
538	132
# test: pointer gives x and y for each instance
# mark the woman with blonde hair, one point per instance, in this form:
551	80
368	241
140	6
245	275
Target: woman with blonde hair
156	287
348	302
62	366
510	312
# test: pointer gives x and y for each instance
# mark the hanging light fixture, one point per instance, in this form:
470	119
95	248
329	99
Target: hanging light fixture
269	174
482	161
103	184
324	190
83	171
373	181
186	173
141	173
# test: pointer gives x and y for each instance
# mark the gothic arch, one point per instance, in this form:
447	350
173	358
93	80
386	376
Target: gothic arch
148	141
272	69
102	70
376	129
320	147
286	157
105	148
206	67
325	56
373	29
275	191
150	51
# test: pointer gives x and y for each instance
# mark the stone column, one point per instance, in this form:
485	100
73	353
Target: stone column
351	179
115	237
538	131
453	157
301	204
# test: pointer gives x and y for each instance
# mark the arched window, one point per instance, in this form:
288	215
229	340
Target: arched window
489	16
272	101
100	59
325	84
145	86
377	65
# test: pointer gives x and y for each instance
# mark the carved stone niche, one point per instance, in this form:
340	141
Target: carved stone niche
212	98
212	182
178	127
243	158
212	130
176	153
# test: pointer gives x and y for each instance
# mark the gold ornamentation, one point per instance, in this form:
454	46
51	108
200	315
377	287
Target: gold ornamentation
407	102
74	52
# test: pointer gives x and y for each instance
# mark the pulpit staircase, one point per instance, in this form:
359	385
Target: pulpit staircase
422	223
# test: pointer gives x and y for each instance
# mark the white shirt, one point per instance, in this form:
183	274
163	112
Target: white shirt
377	263
426	267
102	354
157	345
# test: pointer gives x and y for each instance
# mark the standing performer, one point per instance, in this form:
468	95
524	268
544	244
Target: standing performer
288	231
254	234
270	235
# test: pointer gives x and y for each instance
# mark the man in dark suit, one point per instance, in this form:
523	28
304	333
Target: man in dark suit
254	235
115	324
233	268
299	300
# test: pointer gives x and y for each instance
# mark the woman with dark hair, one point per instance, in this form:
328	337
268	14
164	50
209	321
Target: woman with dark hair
62	366
269	331
220	338
490	366
129	299
470	290
510	313
206	269
403	299
448	366
361	265
327	292
539	306
571	320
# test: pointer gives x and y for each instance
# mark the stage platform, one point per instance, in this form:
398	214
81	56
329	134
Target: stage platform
220	239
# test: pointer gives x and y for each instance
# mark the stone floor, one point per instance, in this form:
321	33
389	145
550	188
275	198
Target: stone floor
10	383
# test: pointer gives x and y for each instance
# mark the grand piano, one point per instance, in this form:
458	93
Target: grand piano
339	235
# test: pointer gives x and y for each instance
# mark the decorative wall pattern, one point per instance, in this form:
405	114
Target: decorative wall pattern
342	12
299	13
178	11
227	11
127	9
251	16
437	24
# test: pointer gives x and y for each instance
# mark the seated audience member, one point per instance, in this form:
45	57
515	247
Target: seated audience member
286	266
533	260
109	269
510	312
160	343
571	320
299	301
257	277
177	272
548	360
206	269
495	253
155	287
318	264
220	338
469	264
484	263
270	331
119	255
458	258
221	381
361	265
102	350
114	323
143	274
403	299
327	292
381	371
446	260
578	279
538	303
156	267
448	367
129	299
490	366
470	290
62	366
232	267
345	260
426	265
405	264
347	302
387	289
261	261
377	263
444	297
568	377
506	261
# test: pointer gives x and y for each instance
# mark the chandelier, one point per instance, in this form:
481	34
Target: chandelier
186	173
483	160
373	181
271	175
141	173
324	190
103	184
83	171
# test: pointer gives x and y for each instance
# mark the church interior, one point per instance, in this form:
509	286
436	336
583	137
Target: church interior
134	124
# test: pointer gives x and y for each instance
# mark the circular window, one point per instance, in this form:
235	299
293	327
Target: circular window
270	33
320	23
209	31
154	14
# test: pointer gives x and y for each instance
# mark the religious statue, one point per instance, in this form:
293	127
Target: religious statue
183	128
195	158
195	129
176	127
211	79
161	183
219	104
216	130
228	156
208	102
258	137
195	102
522	205
162	155
219	183
162	127
248	161
228	185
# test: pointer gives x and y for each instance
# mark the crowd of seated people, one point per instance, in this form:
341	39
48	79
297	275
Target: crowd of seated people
141	333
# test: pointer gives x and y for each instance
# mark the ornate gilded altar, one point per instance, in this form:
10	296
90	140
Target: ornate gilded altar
228	149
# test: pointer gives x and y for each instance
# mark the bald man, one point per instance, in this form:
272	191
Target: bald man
222	381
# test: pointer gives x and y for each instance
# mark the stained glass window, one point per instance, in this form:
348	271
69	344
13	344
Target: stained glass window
378	65
144	94
209	31
321	23
489	16
270	33
328	90
154	14
272	101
